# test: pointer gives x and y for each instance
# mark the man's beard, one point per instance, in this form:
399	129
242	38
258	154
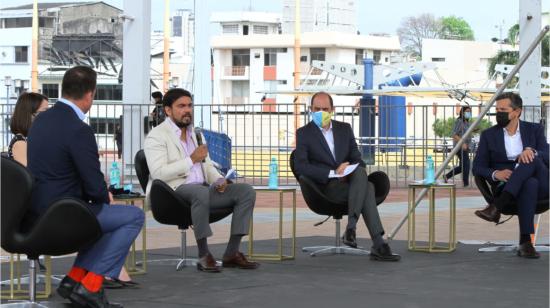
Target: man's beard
182	124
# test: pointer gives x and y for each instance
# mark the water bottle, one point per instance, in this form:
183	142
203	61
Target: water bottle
273	171
114	175
429	177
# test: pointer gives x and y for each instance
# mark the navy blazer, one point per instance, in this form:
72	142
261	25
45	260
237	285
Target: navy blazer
312	156
491	152
63	157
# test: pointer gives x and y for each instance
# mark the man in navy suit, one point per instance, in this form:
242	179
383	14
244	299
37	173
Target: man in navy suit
64	159
324	148
513	157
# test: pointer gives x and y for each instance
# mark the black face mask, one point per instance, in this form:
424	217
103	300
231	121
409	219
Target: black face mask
502	119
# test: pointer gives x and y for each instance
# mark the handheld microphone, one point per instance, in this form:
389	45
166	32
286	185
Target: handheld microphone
199	138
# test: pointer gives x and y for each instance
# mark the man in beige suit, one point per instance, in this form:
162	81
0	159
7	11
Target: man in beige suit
174	157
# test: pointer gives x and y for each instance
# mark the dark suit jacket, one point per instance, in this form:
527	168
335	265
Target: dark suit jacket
63	157
312	156
491	152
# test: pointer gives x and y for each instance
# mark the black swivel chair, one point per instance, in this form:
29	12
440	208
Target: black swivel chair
319	203
489	193
66	227
170	209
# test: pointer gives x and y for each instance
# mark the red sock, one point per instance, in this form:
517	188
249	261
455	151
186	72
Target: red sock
77	273
92	282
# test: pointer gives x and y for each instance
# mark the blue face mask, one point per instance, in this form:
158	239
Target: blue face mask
467	115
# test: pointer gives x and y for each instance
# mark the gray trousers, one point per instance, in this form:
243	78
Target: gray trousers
359	193
240	197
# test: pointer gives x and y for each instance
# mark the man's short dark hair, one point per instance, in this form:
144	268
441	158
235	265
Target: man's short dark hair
322	93
157	95
78	81
173	95
514	98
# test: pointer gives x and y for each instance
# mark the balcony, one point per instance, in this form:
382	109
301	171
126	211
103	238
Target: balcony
236	100
235	73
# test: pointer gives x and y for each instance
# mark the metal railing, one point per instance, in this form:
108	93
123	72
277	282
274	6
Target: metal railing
404	135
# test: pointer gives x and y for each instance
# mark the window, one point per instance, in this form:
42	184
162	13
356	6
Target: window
270	56
376	54
22	22
108	92
317	54
230	29
245	29
177	25
103	125
240	90
359	56
260	29
21	54
240	57
51	90
438	59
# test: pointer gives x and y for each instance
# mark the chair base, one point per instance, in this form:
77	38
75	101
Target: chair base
333	250
179	263
511	248
55	280
25	305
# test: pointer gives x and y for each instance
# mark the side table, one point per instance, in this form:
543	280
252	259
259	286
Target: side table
279	256
134	266
432	246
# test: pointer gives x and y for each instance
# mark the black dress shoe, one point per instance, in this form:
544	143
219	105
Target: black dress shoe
66	287
349	238
526	250
490	213
383	253
81	297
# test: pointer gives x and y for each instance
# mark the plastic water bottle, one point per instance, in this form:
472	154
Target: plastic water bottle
114	175
273	174
429	177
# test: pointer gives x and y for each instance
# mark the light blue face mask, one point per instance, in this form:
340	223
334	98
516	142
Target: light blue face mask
467	115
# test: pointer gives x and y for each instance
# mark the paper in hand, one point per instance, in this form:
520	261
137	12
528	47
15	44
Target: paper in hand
349	169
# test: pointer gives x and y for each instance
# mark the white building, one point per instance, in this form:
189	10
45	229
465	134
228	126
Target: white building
321	16
250	57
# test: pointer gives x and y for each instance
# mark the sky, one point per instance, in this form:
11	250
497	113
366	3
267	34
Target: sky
484	16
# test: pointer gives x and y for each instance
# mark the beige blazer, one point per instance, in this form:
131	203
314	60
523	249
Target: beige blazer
167	161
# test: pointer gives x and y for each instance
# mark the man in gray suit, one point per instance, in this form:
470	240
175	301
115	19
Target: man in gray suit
175	157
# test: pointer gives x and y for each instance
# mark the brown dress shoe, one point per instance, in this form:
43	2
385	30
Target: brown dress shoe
526	250
240	261
208	264
490	213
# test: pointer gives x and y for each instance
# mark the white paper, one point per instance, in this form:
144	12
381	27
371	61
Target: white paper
349	169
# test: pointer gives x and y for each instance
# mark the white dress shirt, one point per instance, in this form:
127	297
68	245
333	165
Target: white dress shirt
513	144
329	137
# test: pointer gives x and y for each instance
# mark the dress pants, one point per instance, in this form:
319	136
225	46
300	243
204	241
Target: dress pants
241	197
463	167
120	225
358	192
528	184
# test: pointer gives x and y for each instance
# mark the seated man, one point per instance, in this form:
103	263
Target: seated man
64	159
174	157
513	157
325	147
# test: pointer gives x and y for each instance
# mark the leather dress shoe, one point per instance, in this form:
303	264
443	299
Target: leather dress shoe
383	253
526	250
349	238
208	264
81	297
66	287
490	213
240	261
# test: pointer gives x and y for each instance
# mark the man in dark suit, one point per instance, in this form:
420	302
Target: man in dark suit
64	159
324	148
513	157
